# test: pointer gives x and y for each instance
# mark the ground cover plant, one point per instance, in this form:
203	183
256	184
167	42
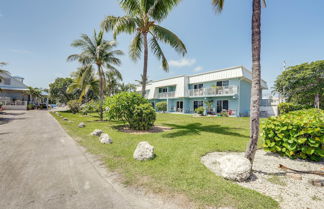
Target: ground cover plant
297	134
177	168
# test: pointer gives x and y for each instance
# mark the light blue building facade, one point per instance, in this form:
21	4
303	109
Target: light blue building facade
217	91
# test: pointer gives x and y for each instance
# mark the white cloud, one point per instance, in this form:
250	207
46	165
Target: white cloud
198	69
184	62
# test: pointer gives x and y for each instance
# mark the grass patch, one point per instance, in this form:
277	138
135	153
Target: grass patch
277	180
176	168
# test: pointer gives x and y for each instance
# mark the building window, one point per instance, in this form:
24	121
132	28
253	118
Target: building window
222	105
198	86
163	90
222	83
198	104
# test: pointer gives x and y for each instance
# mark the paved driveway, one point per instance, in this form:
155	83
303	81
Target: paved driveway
42	167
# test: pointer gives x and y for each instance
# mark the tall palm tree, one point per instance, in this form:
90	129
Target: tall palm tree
84	81
141	19
256	74
113	81
99	52
34	93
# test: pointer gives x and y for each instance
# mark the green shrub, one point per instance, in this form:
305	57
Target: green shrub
224	114
74	106
161	106
30	107
143	117
131	108
286	107
298	134
90	107
200	110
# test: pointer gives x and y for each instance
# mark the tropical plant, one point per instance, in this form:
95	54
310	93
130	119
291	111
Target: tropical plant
286	107
85	82
99	52
200	110
34	93
127	87
256	74
162	106
113	79
141	19
298	134
58	93
74	105
131	108
303	84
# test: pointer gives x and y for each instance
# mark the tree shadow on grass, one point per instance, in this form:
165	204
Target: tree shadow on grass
197	128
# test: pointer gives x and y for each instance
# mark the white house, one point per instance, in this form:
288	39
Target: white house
226	89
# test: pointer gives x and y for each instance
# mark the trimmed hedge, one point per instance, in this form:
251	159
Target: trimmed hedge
298	134
286	107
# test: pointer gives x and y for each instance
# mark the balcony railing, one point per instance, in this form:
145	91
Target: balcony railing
213	91
165	95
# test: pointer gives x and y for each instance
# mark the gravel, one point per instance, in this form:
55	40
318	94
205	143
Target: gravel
283	186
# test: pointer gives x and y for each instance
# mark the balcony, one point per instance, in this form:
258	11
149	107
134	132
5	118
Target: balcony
213	91
165	95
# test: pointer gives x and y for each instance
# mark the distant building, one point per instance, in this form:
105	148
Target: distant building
13	92
226	89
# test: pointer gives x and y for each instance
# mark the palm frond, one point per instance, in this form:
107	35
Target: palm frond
131	6
159	9
156	49
169	38
219	5
135	48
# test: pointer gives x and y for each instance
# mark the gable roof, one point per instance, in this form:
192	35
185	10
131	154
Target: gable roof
15	84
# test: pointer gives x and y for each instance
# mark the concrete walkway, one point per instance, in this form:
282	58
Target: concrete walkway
42	167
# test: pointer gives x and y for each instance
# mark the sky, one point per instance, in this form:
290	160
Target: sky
35	37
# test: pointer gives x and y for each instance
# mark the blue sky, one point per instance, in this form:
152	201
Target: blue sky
36	35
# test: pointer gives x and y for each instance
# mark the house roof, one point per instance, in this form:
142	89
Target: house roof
15	84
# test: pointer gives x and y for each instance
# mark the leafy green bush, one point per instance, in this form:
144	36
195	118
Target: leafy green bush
298	134
161	106
224	114
90	107
200	110
132	108
286	107
74	106
30	106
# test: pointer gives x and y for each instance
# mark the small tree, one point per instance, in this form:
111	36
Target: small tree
162	106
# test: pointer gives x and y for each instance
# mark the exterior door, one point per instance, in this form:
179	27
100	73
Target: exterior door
179	106
222	105
198	104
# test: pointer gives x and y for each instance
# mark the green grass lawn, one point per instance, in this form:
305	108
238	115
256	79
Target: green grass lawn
176	168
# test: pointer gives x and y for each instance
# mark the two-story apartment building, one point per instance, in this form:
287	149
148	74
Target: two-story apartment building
225	89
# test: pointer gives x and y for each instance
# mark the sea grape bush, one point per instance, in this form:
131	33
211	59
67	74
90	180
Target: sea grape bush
298	134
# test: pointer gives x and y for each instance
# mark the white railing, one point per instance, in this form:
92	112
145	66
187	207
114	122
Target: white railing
213	91
15	103
170	94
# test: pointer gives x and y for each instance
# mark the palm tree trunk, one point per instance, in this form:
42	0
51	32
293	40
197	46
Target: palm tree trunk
317	100
256	81
144	78
101	92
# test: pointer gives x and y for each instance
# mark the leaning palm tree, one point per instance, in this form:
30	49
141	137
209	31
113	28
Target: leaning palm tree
98	52
84	81
141	19
256	74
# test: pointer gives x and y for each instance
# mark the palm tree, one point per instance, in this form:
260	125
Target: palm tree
85	82
141	19
256	74
127	87
113	81
34	93
99	52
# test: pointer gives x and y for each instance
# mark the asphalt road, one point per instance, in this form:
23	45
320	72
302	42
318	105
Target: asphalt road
42	167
